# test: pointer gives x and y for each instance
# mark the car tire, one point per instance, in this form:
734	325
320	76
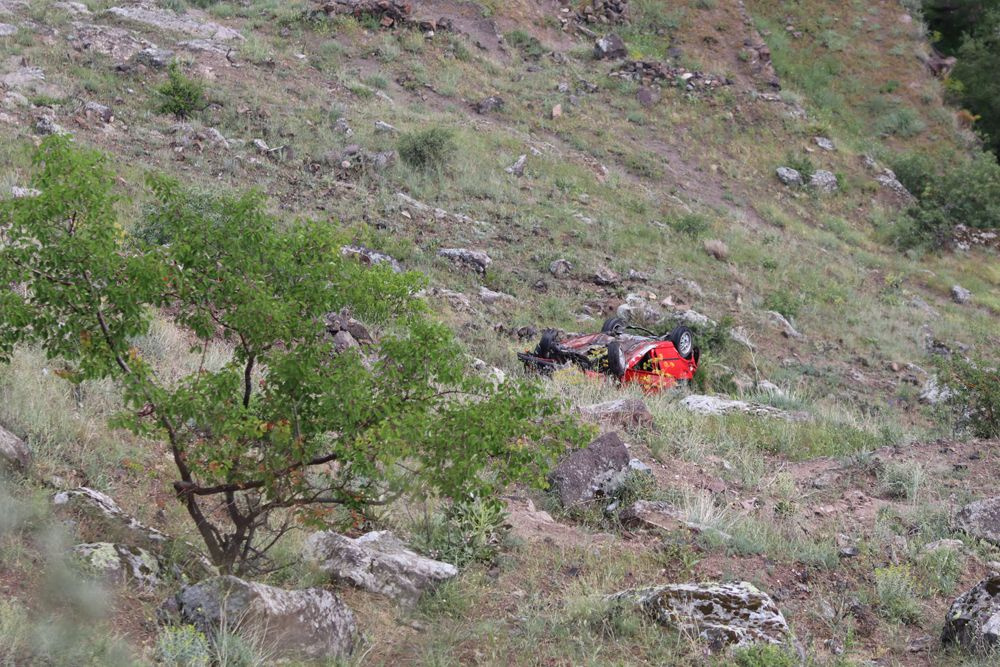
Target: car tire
546	346
614	326
616	359
683	340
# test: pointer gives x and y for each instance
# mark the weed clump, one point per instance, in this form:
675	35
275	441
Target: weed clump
428	150
181	95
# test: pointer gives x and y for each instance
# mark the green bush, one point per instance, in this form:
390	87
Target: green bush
975	394
180	95
527	44
896	593
764	655
182	646
903	122
800	163
428	150
901	479
694	225
784	302
470	531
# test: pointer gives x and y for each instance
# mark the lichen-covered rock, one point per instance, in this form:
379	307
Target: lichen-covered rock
592	472
823	180
370	257
789	176
732	614
715	405
611	47
310	624
651	514
960	295
161	19
619	413
14	453
378	562
120	563
981	519
476	259
973	620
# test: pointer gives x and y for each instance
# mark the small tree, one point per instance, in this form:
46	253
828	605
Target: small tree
287	425
180	95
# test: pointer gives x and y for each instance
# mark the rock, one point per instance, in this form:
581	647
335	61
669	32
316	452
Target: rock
7	30
557	111
309	624
370	257
187	136
343	341
717	249
625	413
14	452
343	128
154	57
592	472
490	104
74	8
170	21
517	169
740	335
489	297
261	146
714	405
647	96
19	193
639	310
787	329
888	180
824	143
560	268
823	180
611	46
949	545
960	295
973	621
638	276
790	176
607	277
692	318
120	563
476	259
731	614
342	322
652	514
100	519
981	519
99	111
46	125
378	562
385	128
933	392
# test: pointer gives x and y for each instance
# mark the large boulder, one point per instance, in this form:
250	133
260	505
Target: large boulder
14	453
732	614
595	471
973	620
619	413
120	563
378	562
310	624
981	519
98	518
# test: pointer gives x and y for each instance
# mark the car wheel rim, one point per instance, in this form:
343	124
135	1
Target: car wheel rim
685	344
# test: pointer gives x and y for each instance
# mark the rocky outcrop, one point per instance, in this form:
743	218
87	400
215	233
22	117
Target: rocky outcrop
789	176
715	405
475	259
732	614
370	257
310	624
973	620
120	563
981	519
378	562
14	453
160	19
960	295
823	181
622	413
595	471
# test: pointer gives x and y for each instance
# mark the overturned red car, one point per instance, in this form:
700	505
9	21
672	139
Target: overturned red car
651	361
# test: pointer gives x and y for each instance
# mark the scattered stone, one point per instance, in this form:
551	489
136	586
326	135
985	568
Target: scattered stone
787	329
933	392
731	614
824	143
638	276
557	111
490	104
120	563
489	297
14	452
611	46
960	295
153	57
309	624
261	146
517	169
717	249
74	8
715	405
343	322
343	128
385	128
981	519
604	11
823	180
476	259
790	176
391	13
649	73
46	125
973	621
99	111
692	318
370	257
647	97
187	136
560	268
182	23
592	472
627	413
378	562
638	309
607	277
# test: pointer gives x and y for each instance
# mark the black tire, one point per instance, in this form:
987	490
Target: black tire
614	326
616	359
546	346
683	340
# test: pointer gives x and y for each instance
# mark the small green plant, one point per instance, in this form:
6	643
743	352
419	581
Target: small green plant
527	44
764	655
800	163
895	590
901	479
469	531
939	569
694	225
785	302
903	122
975	394
180	95
429	150
182	646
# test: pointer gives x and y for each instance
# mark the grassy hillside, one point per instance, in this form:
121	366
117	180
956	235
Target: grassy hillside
677	196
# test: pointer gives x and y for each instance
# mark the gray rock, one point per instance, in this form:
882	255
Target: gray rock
620	413
489	297
933	392
560	268
647	96
385	128
476	259
610	46
120	563
973	620
789	176
652	514
714	405
981	519
960	295
74	8
887	179
787	329
823	180
490	104
824	143
46	125
18	192
181	23
638	276
343	341
309	624
731	614
592	472
370	257
7	30
99	111
607	277
517	169
343	128
378	562
692	318
14	452
23	78
639	310
154	57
